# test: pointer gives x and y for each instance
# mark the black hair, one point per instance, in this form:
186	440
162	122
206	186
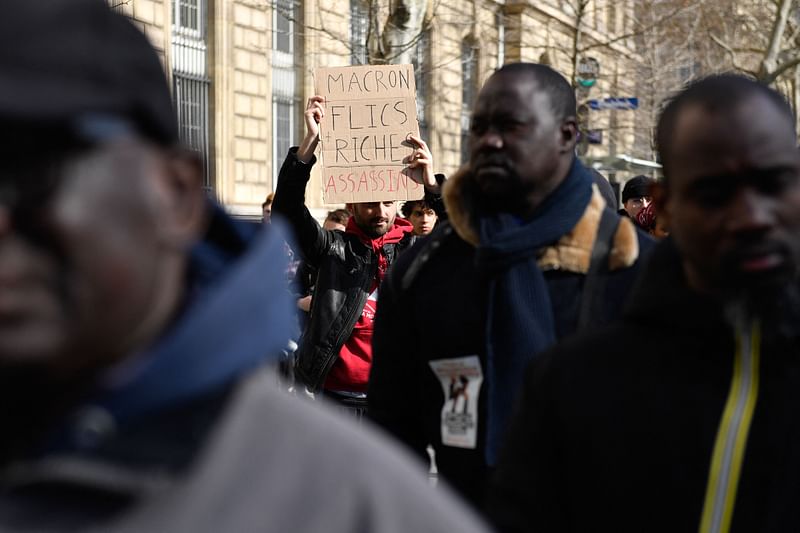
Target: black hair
339	216
409	207
561	93
718	94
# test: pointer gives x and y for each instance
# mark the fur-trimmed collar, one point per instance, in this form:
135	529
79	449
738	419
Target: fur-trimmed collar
572	252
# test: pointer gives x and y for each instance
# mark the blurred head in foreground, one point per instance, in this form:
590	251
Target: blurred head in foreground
98	205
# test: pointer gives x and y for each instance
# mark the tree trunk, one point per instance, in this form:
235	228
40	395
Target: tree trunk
770	62
403	28
796	96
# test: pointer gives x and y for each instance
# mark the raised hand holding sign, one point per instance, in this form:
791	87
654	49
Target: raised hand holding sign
369	133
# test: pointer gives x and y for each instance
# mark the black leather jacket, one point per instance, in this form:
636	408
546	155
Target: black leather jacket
346	268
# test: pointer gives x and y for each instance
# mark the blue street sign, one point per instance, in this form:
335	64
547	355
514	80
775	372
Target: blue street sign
614	103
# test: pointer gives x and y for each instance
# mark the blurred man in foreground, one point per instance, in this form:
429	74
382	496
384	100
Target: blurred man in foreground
685	415
135	315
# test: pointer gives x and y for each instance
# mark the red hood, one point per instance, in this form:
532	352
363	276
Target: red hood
395	234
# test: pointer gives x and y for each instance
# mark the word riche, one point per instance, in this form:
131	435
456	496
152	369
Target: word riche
369	181
360	149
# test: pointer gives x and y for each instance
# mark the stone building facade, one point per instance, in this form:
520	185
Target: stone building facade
243	69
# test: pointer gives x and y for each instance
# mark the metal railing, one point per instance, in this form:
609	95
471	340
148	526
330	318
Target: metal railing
191	88
191	104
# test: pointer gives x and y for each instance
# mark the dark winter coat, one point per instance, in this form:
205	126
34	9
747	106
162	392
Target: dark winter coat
617	428
433	307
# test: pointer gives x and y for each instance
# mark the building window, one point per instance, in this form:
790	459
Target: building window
191	103
469	78
359	31
501	38
283	21
611	13
191	85
421	62
187	16
687	72
627	17
283	128
285	97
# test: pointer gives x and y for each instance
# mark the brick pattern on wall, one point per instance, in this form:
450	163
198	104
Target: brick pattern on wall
251	96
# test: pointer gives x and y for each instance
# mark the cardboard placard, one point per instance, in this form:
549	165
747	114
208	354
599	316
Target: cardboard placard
369	112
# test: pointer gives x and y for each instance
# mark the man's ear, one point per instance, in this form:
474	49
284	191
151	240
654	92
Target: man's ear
350	208
569	134
660	195
184	198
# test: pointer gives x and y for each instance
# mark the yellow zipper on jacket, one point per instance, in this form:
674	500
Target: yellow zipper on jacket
731	441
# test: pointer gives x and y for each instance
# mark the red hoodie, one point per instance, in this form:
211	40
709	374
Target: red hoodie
351	370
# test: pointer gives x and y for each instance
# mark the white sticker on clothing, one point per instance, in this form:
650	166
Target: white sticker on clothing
371	306
461	380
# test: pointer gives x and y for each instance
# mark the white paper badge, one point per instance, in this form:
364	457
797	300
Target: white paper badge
461	382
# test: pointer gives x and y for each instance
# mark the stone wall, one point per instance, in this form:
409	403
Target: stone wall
249	88
240	52
154	18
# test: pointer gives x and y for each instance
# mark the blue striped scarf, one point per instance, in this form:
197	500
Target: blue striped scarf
519	318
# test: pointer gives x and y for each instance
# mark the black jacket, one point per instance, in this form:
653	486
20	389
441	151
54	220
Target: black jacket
346	268
433	305
618	428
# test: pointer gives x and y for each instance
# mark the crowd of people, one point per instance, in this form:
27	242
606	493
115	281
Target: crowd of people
568	366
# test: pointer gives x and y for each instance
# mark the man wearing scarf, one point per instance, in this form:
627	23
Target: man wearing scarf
531	254
684	415
335	353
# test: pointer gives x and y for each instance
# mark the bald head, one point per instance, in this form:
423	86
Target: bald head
716	95
547	80
522	137
732	188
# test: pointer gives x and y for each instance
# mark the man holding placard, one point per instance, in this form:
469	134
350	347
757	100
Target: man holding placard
390	162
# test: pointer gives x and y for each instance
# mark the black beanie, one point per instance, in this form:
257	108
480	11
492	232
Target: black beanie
61	60
636	187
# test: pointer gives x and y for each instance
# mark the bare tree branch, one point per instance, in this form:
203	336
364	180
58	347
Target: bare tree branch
640	30
783	67
731	52
769	62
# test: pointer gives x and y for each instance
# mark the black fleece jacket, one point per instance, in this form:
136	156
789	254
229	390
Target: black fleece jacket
441	315
617	428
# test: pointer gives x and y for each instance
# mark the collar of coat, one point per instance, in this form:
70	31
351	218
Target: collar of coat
572	252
